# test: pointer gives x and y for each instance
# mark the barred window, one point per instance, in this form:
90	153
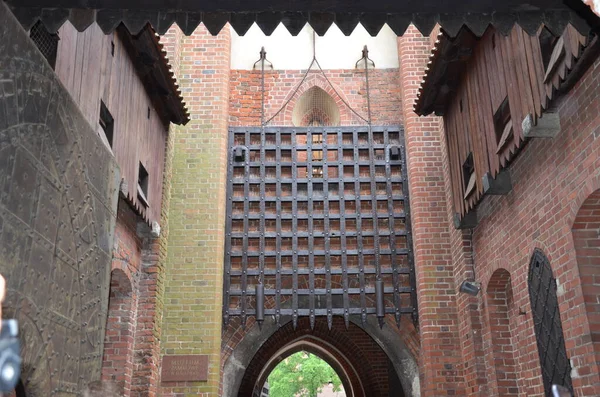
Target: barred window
45	41
555	365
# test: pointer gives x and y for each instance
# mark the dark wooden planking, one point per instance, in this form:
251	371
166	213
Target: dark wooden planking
491	76
461	144
532	75
571	48
520	88
485	104
478	130
513	69
488	62
511	86
454	155
469	111
539	68
462	129
523	74
500	74
91	74
459	186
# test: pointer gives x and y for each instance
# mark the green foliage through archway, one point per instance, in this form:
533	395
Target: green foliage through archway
302	375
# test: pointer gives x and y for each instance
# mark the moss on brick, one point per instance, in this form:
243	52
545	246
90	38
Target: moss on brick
191	322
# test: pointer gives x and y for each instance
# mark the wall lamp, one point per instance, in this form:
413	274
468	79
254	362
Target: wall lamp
470	287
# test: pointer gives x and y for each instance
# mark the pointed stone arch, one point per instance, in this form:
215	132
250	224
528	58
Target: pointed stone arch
315	108
317	80
249	356
326	352
586	239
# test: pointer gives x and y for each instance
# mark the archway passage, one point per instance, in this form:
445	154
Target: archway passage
586	237
364	366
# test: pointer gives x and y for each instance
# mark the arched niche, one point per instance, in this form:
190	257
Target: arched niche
315	107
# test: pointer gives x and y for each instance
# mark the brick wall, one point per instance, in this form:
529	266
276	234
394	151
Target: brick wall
151	283
349	85
441	362
475	346
130	360
121	324
117	365
552	179
193	281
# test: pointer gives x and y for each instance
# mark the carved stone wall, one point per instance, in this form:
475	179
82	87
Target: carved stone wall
58	196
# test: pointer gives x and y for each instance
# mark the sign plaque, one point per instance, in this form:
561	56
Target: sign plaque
184	368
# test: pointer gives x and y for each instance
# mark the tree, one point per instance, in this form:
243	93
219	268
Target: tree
302	375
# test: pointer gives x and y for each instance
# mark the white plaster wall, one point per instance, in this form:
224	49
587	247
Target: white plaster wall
333	50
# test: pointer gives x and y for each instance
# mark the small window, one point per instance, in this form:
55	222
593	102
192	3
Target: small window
45	41
469	177
503	126
143	185
107	125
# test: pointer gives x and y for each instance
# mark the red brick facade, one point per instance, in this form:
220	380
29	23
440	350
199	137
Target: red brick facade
122	311
131	345
551	207
465	345
346	87
440	362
